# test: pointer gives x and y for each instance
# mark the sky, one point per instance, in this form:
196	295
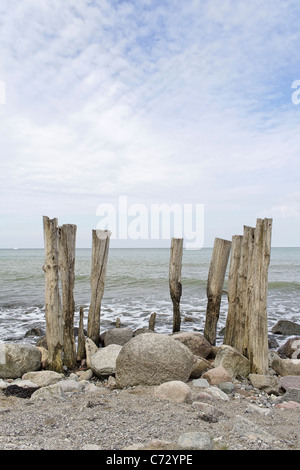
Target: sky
150	102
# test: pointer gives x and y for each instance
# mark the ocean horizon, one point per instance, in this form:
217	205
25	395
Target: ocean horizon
137	284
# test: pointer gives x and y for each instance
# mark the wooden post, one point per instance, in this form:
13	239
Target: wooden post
257	348
216	276
100	248
152	320
241	339
66	264
175	280
81	354
53	311
233	293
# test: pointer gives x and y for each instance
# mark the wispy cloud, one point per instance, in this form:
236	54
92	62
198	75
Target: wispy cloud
173	101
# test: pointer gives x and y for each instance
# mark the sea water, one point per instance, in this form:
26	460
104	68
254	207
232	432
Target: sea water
137	284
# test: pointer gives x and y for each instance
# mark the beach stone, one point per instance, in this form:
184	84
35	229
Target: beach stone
151	359
215	392
288	405
226	387
44	393
289	381
290	349
103	363
3	384
216	375
252	408
141	331
25	383
232	361
155	444
44	356
201	365
118	336
246	428
195	441
175	391
202	383
292	394
43	378
204	407
195	342
272	342
18	358
286	327
86	375
90	349
267	383
285	366
60	389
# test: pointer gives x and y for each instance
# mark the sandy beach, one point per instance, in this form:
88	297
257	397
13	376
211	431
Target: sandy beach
106	419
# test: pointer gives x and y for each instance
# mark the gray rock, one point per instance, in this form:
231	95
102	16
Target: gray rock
285	366
103	363
118	336
175	391
292	394
87	375
202	383
60	389
16	359
290	349
226	387
43	378
195	441
215	392
267	383
90	349
195	342
232	361
151	359
201	365
290	381
286	327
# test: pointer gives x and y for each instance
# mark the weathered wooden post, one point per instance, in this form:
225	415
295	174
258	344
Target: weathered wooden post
175	280
100	248
81	354
152	320
257	290
66	263
216	276
233	293
241	339
53	310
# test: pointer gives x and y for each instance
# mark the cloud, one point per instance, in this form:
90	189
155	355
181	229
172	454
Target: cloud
173	101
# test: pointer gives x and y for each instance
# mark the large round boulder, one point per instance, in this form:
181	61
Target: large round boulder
152	359
17	358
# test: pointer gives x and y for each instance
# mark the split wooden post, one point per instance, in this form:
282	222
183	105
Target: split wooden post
81	353
66	260
241	340
257	290
100	248
216	276
233	293
53	310
175	279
